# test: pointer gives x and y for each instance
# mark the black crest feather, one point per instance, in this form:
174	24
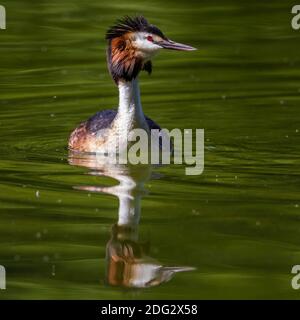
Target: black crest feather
132	24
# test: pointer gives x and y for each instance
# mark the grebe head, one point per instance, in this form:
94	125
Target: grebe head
132	42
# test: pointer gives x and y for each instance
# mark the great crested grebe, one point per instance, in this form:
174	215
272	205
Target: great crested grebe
132	42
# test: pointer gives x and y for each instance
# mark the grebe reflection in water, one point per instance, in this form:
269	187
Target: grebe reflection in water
127	259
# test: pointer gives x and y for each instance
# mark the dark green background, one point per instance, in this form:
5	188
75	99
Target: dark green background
238	223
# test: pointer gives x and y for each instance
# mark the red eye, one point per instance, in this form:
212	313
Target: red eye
149	38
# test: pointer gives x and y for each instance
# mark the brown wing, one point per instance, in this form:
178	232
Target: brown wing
86	133
78	137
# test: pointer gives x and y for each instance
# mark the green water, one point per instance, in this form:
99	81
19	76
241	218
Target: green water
237	224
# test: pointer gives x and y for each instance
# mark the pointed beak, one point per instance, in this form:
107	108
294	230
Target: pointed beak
169	44
179	269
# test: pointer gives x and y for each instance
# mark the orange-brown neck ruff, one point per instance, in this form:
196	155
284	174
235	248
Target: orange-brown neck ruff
123	61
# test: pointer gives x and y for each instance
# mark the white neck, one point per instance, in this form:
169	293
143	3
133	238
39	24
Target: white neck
130	113
129	203
129	210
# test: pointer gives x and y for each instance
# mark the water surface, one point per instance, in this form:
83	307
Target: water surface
238	224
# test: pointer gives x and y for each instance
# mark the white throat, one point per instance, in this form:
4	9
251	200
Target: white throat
130	113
